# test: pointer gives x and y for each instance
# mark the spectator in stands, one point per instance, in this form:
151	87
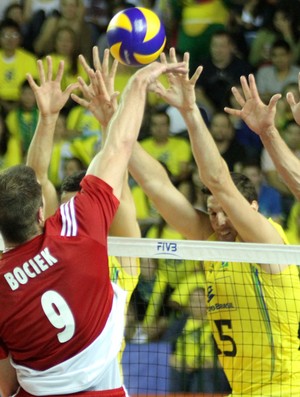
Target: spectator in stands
98	14
72	15
194	366
9	147
15	12
272	78
61	151
174	152
161	318
87	128
249	17
35	14
269	198
221	70
65	48
193	23
47	7
15	63
222	131
282	25
22	120
4	4
73	165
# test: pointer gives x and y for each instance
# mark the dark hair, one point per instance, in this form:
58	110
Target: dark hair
20	200
71	183
251	162
281	43
222	32
11	7
10	23
243	184
75	160
25	84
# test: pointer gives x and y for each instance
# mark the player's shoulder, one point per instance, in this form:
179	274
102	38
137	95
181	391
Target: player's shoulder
280	230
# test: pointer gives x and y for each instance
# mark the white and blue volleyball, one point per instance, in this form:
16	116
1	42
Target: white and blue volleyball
136	36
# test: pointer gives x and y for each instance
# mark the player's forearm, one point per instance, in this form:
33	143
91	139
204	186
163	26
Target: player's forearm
111	163
148	173
125	221
40	149
287	164
205	151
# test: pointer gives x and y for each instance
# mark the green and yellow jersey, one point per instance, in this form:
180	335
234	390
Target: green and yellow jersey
254	317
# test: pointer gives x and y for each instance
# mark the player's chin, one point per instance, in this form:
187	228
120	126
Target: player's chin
226	236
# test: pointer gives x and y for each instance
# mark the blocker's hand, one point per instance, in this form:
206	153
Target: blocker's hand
258	116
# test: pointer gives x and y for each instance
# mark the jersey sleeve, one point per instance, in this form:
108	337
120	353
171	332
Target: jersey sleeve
88	214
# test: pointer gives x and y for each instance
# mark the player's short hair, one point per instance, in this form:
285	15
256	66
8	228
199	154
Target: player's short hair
20	200
243	184
71	183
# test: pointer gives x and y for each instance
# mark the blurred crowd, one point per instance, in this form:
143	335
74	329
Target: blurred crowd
229	38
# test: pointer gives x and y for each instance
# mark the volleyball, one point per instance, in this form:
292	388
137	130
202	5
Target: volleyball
136	36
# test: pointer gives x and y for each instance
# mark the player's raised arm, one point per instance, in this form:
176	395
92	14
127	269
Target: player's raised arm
172	205
248	223
261	119
103	107
50	100
111	163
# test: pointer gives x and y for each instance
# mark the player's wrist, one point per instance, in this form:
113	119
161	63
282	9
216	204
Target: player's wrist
188	109
269	131
49	119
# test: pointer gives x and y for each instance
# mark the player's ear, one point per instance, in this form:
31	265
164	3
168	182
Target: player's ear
40	216
254	205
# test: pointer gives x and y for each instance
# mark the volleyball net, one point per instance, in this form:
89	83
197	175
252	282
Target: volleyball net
209	317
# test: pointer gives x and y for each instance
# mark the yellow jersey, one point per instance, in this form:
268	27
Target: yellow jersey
175	152
254	317
127	282
13	73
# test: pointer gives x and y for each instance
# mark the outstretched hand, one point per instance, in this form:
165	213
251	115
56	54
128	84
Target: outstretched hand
181	90
99	96
49	96
151	72
258	116
295	106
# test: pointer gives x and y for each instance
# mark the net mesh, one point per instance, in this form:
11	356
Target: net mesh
211	318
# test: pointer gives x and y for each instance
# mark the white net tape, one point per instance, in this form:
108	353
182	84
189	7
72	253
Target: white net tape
205	250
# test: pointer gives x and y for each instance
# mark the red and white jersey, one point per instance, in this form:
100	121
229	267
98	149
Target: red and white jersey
55	293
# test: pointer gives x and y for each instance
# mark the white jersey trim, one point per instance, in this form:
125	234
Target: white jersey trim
95	368
69	222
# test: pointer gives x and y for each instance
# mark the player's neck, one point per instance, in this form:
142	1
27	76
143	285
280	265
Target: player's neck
8	246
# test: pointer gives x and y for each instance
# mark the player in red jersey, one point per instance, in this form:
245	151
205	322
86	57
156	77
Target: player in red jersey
60	323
